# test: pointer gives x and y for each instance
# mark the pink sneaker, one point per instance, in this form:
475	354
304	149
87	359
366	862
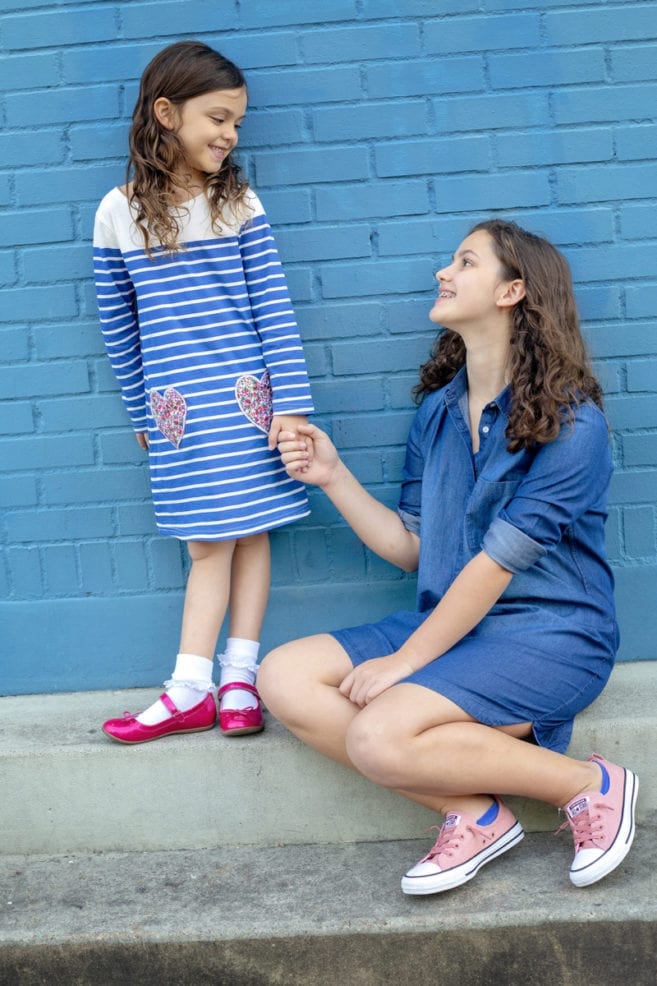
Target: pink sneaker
461	850
602	823
195	720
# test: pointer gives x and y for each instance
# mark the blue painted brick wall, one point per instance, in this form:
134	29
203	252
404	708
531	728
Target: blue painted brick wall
378	132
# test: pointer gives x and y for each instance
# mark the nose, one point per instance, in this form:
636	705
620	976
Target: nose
443	274
229	132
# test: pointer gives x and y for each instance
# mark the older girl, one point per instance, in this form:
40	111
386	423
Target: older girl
502	512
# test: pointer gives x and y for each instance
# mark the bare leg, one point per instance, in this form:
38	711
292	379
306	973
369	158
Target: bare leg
221	571
206	597
299	684
409	738
249	586
249	592
428	749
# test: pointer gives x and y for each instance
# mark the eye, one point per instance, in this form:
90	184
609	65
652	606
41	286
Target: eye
217	119
466	262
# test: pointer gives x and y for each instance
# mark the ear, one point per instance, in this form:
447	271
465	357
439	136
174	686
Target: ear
511	294
165	113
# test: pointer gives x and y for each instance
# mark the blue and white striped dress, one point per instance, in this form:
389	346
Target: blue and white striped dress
205	347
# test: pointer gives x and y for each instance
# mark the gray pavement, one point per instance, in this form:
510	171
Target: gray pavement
303	915
255	862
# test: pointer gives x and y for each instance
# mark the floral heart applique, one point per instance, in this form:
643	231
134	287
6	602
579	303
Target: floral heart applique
170	412
255	399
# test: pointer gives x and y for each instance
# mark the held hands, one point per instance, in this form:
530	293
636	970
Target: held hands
309	454
371	678
142	439
284	422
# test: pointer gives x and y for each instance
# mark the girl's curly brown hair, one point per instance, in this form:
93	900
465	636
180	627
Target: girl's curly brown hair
179	72
549	367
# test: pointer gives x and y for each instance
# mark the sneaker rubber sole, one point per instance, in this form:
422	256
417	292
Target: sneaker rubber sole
448	879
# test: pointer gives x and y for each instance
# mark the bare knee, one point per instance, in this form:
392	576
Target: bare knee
253	541
200	550
282	683
376	748
292	679
278	680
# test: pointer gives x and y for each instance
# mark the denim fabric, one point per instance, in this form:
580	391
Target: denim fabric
540	513
512	668
546	648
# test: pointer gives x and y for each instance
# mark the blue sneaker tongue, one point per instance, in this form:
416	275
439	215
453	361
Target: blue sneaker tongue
489	816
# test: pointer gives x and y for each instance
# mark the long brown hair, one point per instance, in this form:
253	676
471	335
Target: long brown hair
179	72
549	367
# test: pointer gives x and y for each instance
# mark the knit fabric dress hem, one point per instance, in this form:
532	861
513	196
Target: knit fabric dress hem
258	529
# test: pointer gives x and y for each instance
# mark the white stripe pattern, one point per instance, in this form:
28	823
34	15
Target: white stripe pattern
197	321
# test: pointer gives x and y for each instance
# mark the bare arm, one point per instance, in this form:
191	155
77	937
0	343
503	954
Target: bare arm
471	595
469	598
312	457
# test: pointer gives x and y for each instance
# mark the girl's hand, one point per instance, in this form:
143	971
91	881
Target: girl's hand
142	439
284	422
310	455
370	679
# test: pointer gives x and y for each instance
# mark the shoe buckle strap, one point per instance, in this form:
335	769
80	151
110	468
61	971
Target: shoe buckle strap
243	685
168	704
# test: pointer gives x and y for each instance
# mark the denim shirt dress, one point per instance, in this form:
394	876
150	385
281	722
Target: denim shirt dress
546	648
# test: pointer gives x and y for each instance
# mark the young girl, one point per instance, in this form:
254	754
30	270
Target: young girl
201	334
502	512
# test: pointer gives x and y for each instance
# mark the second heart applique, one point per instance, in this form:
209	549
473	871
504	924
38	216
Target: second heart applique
255	399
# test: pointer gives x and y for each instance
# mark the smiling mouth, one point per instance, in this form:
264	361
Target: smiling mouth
445	294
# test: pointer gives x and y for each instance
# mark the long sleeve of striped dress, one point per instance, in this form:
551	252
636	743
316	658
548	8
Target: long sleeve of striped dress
205	347
117	310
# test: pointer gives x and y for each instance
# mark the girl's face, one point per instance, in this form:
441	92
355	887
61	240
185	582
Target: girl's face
472	287
207	127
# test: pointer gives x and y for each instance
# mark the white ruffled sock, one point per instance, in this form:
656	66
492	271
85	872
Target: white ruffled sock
188	685
238	664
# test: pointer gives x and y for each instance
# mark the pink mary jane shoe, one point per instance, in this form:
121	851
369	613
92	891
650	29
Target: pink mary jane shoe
241	722
195	720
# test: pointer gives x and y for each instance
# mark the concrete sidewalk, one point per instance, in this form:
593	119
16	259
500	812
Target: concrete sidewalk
256	862
324	916
203	790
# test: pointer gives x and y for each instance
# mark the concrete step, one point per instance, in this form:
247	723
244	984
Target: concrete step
67	788
329	915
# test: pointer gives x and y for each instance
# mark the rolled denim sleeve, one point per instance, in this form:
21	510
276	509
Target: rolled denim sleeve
410	521
567	478
410	501
510	548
